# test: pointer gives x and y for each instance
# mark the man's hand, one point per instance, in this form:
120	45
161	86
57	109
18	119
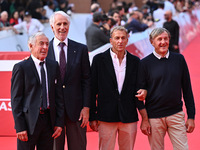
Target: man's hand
145	127
84	116
57	132
142	93
23	136
94	125
175	46
190	125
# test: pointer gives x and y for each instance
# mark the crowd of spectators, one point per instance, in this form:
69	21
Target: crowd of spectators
136	19
14	11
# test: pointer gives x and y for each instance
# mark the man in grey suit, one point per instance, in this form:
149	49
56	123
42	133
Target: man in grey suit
75	74
36	98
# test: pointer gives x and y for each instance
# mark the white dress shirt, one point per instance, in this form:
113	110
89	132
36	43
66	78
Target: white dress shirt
120	69
57	48
159	56
38	67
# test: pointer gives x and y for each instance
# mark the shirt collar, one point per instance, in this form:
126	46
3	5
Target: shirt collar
37	61
114	56
57	42
159	56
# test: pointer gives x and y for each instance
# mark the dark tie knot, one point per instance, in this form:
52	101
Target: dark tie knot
41	63
61	44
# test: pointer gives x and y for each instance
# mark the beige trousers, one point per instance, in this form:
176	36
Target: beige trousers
174	125
108	132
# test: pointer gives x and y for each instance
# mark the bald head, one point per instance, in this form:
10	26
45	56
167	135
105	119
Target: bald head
4	15
168	15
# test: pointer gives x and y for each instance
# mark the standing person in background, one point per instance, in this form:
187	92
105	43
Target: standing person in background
95	37
75	74
36	98
95	7
158	15
114	83
173	27
166	77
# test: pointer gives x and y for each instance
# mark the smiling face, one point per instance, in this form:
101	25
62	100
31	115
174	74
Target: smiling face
60	27
161	43
39	49
119	40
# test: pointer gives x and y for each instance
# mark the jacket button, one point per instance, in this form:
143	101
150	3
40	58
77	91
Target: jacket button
63	86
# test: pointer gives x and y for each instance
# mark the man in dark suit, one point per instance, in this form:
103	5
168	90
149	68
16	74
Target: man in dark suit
36	98
75	73
114	84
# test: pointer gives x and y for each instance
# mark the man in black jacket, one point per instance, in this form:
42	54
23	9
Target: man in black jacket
114	84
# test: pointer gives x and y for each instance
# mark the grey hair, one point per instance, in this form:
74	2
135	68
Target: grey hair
118	28
156	32
32	38
52	18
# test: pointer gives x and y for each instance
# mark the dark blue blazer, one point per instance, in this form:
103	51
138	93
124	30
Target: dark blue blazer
26	95
76	86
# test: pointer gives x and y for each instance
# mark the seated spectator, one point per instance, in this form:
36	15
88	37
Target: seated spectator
107	24
29	25
116	16
134	24
4	20
95	37
49	9
14	18
122	15
21	12
44	19
146	13
4	23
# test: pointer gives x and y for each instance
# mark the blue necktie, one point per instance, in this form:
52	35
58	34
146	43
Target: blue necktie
44	89
62	61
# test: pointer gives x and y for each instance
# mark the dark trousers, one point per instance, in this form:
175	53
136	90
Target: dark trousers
41	137
76	136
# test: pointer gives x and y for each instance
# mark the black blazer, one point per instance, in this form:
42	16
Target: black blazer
112	106
76	86
26	95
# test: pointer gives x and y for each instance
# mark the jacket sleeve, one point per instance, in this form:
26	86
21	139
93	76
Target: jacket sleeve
17	98
86	78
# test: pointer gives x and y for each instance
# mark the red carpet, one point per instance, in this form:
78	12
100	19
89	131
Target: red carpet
192	56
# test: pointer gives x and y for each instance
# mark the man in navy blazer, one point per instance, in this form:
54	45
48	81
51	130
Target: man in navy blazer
36	126
75	84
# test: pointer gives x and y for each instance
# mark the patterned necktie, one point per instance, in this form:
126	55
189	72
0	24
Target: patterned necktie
62	61
44	89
